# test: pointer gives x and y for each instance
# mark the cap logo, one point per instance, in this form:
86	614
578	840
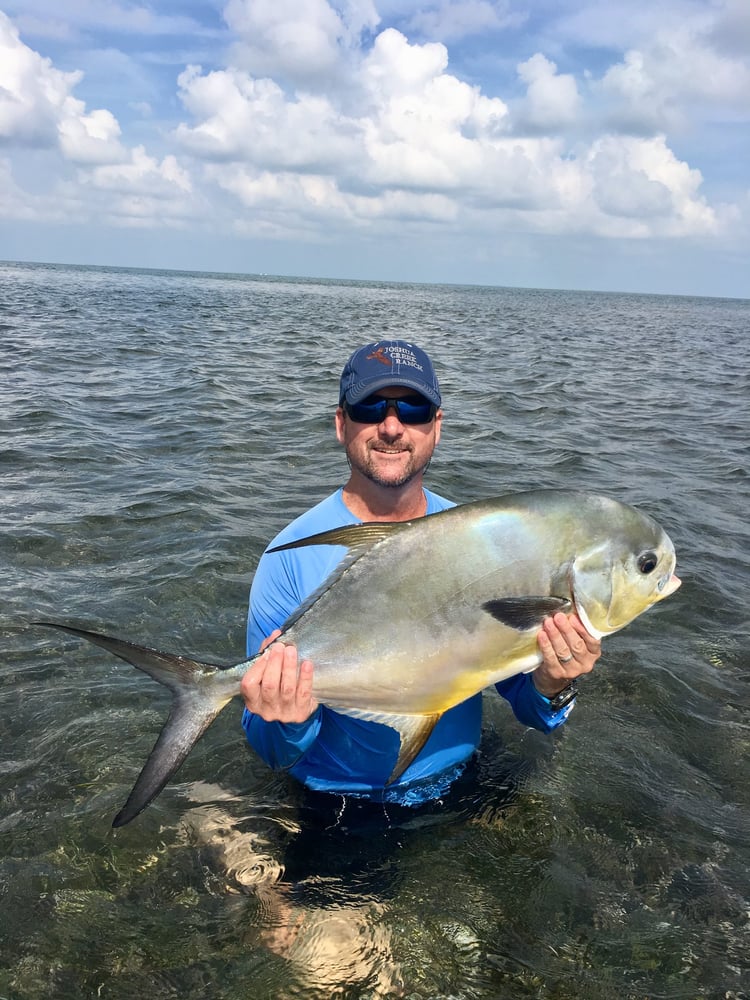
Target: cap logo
393	354
379	356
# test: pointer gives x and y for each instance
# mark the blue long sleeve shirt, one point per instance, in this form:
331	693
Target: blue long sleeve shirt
335	753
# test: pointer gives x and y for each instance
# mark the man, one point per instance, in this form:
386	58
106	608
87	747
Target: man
389	420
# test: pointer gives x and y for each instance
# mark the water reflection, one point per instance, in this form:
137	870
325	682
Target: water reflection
329	873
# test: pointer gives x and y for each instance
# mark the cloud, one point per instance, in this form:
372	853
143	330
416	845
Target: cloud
395	67
415	130
682	62
303	45
421	133
48	27
671	81
17	203
143	174
141	192
99	177
324	122
34	95
452	20
640	188
47	18
552	99
242	118
91	138
141	108
426	129
424	138
316	209
37	107
730	32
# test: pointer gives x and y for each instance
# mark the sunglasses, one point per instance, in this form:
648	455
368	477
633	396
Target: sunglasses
374	409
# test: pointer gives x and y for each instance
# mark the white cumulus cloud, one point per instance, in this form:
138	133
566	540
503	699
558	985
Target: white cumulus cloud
419	132
240	117
37	107
451	20
675	79
552	99
302	44
641	186
323	118
33	94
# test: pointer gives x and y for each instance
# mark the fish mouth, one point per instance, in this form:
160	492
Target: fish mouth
672	584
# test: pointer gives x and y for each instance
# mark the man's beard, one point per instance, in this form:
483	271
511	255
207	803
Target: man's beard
369	471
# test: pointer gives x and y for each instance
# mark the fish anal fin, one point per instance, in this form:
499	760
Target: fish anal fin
413	731
523	613
413	735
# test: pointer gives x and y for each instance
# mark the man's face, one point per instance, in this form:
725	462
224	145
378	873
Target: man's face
389	453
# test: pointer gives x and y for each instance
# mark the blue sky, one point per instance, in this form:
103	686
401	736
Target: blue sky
600	145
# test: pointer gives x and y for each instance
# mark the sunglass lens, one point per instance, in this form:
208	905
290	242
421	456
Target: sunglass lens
414	410
410	410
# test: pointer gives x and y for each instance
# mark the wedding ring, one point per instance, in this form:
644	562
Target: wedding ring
564	659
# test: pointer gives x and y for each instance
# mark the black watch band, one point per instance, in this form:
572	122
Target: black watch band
564	697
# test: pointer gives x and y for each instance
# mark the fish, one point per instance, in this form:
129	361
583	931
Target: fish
420	615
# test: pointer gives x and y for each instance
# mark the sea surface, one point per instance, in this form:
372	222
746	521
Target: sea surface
156	429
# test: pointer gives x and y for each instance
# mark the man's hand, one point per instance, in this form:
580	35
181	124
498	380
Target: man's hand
568	651
277	687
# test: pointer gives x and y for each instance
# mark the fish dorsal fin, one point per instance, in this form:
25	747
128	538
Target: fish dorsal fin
413	731
356	537
523	613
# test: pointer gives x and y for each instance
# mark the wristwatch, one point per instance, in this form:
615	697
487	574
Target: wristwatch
564	697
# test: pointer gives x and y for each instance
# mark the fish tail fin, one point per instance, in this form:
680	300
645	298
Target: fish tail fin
190	717
195	705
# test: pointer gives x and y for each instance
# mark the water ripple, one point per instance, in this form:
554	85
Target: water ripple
156	429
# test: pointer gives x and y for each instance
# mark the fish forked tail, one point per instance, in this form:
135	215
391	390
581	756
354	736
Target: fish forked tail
195	704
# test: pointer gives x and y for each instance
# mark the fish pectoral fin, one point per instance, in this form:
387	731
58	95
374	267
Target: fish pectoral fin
413	731
524	613
191	715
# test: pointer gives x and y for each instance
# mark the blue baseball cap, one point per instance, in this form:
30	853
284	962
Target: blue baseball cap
388	362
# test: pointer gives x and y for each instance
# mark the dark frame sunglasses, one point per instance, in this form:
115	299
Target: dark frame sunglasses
374	409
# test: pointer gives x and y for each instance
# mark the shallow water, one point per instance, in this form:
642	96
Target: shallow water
156	429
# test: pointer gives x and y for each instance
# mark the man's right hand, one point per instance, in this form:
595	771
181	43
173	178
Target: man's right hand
277	687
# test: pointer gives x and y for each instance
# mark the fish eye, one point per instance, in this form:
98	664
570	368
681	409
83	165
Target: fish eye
647	562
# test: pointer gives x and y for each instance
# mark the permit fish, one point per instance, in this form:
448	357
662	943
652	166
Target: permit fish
421	615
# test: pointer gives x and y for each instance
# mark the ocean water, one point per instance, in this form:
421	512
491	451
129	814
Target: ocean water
156	429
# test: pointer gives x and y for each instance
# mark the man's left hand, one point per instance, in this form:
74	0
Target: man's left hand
567	650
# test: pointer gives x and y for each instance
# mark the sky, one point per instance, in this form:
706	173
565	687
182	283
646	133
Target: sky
598	145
